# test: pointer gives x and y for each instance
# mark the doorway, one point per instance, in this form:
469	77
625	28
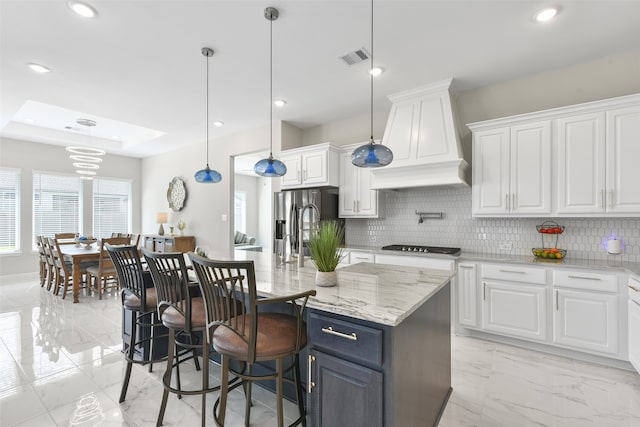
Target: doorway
252	206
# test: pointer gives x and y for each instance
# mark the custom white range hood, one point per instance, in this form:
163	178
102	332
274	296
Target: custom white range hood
422	133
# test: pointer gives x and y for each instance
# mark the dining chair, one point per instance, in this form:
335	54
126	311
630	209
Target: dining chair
65	238
184	316
43	264
243	333
62	274
141	301
104	274
47	244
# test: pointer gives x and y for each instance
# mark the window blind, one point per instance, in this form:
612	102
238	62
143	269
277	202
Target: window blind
9	210
56	205
111	207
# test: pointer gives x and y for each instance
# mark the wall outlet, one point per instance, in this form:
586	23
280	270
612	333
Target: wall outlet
224	217
505	246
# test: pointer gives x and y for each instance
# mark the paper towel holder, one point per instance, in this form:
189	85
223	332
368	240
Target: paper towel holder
614	246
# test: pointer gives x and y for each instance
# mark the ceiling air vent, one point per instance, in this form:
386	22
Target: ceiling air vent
355	56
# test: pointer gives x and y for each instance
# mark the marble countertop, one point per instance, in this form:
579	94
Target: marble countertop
611	264
378	293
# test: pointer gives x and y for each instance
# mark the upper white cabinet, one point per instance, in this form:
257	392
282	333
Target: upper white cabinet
512	170
581	163
357	199
623	152
311	166
579	160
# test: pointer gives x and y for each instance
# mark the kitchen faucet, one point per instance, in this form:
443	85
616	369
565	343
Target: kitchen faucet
300	228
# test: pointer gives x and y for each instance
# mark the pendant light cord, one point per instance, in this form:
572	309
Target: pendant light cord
207	112
370	72
271	88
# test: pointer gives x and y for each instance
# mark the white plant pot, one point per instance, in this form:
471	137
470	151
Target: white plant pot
326	278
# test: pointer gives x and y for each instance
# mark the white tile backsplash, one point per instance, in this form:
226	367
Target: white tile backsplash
583	237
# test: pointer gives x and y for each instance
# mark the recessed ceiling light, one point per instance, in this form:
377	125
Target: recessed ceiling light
280	102
39	68
375	71
88	178
86	151
82	9
81	158
86	166
218	124
546	14
83	172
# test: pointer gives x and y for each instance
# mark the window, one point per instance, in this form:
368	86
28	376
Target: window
240	211
9	210
56	205
111	207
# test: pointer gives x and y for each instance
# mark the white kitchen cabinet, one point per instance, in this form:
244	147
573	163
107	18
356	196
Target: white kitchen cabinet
586	320
355	257
512	170
623	153
312	166
586	167
357	199
467	294
634	334
516	310
581	163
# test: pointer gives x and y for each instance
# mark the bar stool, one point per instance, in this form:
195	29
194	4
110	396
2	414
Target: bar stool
184	317
140	301
248	335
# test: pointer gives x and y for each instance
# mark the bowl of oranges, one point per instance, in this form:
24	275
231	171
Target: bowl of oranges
549	253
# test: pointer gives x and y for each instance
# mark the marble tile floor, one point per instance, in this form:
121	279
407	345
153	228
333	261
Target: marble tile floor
60	365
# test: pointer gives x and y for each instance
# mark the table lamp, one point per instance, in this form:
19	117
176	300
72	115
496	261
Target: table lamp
161	218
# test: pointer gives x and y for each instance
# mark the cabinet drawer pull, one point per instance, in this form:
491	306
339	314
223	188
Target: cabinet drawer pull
512	271
357	205
513	203
611	198
506	201
361	257
557	298
354	206
329	330
484	291
465	266
586	278
310	383
602	199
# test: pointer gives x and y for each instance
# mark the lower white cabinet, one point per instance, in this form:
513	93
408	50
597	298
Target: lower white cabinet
634	334
467	294
586	320
516	310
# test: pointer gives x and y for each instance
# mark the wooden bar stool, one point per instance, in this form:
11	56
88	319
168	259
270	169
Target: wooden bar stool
248	335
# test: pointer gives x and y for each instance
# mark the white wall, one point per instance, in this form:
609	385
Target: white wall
31	156
206	204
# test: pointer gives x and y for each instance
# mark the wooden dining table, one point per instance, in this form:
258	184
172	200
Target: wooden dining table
76	255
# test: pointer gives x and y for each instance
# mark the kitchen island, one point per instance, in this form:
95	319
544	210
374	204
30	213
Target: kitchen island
379	351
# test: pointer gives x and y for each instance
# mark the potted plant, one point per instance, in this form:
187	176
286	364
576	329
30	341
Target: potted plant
326	252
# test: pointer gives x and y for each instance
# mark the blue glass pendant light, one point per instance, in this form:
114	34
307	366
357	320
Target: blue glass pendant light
371	155
270	167
208	175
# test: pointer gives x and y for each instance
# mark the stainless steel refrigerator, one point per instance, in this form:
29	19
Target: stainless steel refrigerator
287	205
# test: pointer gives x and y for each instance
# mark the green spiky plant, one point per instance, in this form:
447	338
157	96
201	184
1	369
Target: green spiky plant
325	245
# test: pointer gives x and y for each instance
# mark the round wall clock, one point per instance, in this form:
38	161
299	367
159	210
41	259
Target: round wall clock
176	194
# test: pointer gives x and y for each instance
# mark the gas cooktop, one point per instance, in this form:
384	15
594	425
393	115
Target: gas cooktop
423	249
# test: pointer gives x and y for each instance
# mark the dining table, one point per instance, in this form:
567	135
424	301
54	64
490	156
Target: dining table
77	255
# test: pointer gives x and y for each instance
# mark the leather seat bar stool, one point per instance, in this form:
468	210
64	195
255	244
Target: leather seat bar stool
184	317
250	335
141	301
